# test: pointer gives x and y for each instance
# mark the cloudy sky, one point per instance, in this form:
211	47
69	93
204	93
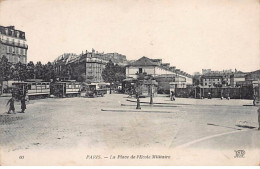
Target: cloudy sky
189	34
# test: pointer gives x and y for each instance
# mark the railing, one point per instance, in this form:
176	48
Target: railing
14	43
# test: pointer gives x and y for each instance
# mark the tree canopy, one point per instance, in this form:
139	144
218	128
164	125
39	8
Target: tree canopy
113	74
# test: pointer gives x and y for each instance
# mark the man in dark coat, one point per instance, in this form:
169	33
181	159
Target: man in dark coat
172	96
23	105
11	107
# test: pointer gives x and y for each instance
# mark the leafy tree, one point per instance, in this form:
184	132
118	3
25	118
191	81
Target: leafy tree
113	74
19	71
108	74
5	69
78	71
30	70
39	70
49	72
119	74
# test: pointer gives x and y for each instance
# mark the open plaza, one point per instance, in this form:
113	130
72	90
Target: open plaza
113	122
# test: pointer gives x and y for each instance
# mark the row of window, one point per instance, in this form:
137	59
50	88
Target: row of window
38	87
15	50
16	59
14	33
72	86
210	84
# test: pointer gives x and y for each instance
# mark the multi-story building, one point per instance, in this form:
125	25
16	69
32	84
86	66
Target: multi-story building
211	80
13	45
156	68
253	76
236	78
88	65
115	58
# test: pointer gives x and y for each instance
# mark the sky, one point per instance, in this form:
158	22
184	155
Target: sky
189	34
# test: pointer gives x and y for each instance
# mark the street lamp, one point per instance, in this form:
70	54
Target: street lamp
151	91
137	95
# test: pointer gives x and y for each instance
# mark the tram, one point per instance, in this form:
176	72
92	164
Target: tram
66	88
33	90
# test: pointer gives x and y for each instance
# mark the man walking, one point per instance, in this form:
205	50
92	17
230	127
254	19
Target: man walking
23	105
172	96
11	105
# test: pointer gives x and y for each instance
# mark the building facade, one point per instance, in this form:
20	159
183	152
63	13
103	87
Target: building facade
237	78
211	80
13	45
156	68
89	65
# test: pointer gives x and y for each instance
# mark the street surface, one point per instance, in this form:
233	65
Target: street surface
112	123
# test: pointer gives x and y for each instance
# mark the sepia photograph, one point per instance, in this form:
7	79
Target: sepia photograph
129	83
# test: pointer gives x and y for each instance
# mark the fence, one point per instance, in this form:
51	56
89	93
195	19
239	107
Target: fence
244	92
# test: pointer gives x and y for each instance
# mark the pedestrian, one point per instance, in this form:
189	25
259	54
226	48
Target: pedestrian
172	96
209	95
11	105
23	105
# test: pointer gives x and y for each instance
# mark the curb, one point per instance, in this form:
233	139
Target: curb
145	111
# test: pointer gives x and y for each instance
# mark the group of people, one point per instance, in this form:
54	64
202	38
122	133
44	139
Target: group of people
11	105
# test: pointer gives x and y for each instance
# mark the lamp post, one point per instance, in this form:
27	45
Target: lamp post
151	91
137	95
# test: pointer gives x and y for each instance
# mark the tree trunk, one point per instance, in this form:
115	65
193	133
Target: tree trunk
138	102
151	94
110	88
2	87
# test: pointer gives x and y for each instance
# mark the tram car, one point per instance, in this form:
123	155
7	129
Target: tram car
33	90
65	89
95	90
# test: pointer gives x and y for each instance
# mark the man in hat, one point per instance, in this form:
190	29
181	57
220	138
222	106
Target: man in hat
11	105
23	105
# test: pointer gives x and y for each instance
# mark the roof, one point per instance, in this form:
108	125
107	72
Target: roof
143	61
254	72
239	75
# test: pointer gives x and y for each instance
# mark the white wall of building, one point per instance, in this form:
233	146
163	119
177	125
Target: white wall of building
155	71
233	81
211	81
131	71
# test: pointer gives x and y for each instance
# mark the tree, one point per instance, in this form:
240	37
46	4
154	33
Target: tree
78	71
119	74
5	71
39	70
108	73
30	70
49	72
113	74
